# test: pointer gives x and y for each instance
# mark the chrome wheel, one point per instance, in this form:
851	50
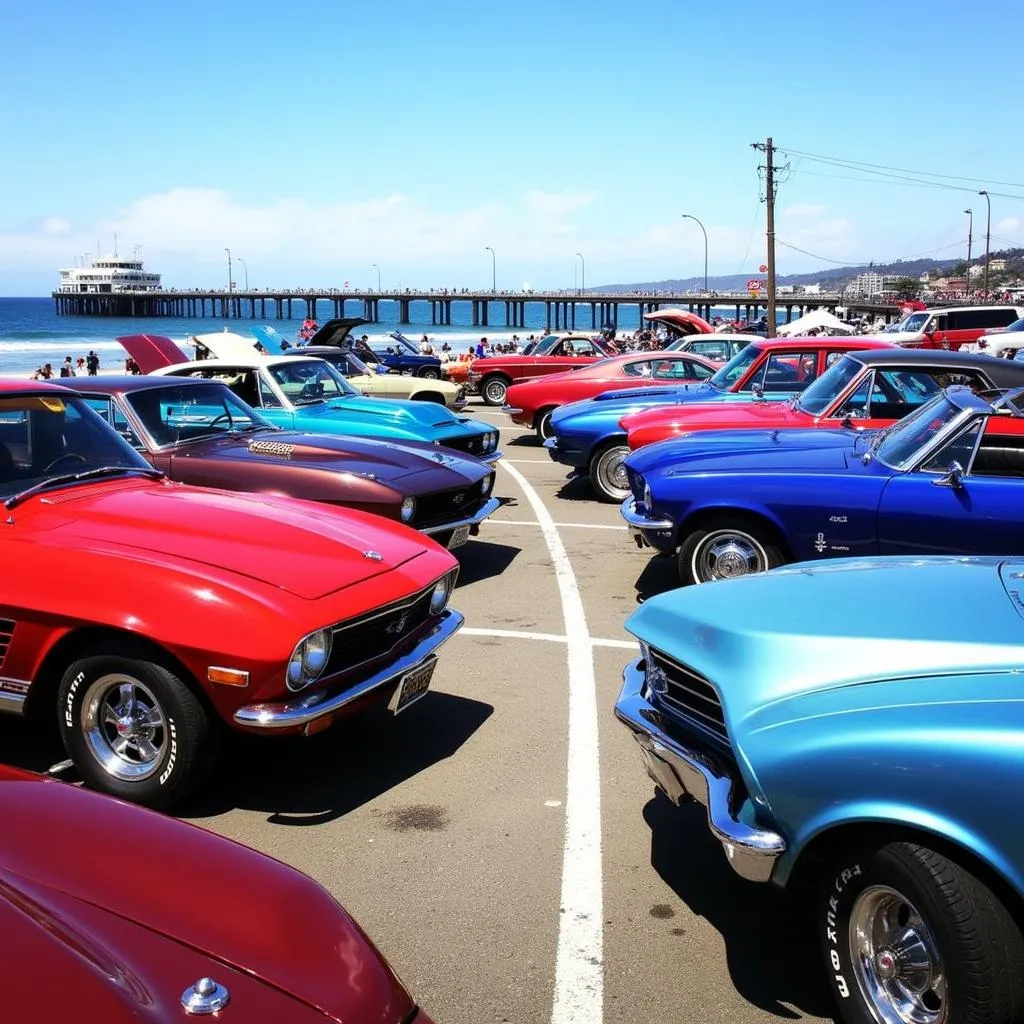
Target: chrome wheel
896	960
430	373
124	727
726	554
495	391
609	473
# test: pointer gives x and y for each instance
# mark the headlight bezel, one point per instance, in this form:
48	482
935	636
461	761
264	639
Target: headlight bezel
487	485
407	509
309	659
442	593
648	498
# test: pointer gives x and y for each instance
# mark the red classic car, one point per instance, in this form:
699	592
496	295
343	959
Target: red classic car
145	918
141	611
200	432
680	322
492	376
531	403
866	390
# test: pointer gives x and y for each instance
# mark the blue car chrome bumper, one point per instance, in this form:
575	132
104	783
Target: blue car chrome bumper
655	533
564	452
751	852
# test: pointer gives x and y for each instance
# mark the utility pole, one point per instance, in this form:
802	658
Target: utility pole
970	238
769	197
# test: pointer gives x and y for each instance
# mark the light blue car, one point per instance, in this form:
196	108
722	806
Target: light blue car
858	725
311	395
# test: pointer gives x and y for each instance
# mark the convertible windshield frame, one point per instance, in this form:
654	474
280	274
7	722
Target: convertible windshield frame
322	367
847	370
723	380
953	416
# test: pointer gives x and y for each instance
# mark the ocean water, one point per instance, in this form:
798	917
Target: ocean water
31	333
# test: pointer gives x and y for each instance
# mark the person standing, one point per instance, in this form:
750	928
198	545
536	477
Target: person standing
92	363
66	368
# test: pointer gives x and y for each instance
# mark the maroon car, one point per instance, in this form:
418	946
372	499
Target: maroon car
145	918
200	432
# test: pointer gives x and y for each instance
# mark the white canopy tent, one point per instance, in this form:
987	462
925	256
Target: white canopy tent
816	320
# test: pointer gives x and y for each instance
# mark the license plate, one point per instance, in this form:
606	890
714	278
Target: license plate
459	537
413	685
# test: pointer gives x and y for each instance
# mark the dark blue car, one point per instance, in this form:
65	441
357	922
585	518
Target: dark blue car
399	355
947	479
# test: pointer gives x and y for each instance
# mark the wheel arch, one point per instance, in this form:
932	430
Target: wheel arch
704	515
77	643
605	442
428	396
541	411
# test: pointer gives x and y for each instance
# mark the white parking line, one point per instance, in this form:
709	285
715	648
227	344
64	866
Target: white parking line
555	638
579	966
575	526
528	462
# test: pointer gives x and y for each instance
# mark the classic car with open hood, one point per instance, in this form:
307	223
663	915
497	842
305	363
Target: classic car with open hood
588	437
140	612
947	479
309	394
200	432
145	918
855	731
864	390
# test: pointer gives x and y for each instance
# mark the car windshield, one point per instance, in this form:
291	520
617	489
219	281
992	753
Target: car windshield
404	343
817	398
735	369
47	437
913	323
309	381
173	415
897	444
545	345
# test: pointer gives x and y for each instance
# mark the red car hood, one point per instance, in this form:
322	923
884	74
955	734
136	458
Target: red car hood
121	920
656	424
153	351
304	548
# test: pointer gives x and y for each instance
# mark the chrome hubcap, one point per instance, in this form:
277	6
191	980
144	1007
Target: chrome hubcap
611	472
726	554
496	391
896	960
124	727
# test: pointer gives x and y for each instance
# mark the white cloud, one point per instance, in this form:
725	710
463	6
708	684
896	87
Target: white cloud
56	226
803	211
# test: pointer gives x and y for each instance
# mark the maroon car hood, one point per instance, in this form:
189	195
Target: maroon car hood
153	351
304	548
113	903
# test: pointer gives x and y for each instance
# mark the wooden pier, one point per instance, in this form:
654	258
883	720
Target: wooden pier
562	309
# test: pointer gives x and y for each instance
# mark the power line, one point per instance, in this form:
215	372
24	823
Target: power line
862	263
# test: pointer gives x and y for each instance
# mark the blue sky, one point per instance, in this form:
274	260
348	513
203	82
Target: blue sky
317	139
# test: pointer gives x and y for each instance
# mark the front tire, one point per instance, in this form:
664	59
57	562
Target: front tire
608	474
543	428
430	373
494	390
134	730
911	937
725	550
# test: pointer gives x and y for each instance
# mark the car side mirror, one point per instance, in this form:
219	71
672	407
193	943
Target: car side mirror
953	477
758	388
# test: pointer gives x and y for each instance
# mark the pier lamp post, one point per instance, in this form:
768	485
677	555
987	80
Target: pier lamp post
690	216
373	266
228	251
494	272
988	235
970	238
583	273
245	267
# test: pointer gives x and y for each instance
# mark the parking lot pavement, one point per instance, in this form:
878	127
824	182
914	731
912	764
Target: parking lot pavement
500	840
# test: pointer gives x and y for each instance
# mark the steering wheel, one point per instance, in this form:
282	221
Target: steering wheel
222	416
66	457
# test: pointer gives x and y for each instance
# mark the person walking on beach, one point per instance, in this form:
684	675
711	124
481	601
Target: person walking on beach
92	363
66	369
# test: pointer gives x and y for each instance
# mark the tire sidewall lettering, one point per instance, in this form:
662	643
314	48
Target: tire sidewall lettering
172	756
833	929
69	703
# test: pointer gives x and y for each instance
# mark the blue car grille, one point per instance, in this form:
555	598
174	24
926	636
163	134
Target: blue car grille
472	444
688	695
447	506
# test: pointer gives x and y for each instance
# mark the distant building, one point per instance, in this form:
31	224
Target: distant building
811	289
996	266
785	289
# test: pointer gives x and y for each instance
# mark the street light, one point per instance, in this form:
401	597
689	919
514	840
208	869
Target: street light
228	251
583	273
988	235
970	238
494	272
245	267
690	216
374	266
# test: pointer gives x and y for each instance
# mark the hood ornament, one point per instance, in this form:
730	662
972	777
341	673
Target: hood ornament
204	997
373	556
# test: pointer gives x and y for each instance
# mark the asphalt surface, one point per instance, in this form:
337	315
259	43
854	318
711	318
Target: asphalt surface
443	830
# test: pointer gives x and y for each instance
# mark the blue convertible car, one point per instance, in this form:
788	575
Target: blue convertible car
587	435
858	727
949	478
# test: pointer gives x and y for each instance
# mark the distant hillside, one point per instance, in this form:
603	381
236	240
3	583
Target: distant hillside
837	276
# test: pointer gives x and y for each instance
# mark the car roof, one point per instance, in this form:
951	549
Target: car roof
14	386
928	357
247	362
844	342
113	383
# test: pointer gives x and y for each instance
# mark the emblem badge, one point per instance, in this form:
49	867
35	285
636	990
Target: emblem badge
373	556
458	499
397	626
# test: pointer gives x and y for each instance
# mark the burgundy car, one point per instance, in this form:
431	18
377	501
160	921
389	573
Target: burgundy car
199	432
145	918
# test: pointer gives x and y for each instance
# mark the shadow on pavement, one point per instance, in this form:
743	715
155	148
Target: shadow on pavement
772	957
481	560
658	576
522	441
577	488
299	782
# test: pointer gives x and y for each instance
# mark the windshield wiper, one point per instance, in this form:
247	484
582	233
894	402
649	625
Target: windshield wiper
71	478
250	427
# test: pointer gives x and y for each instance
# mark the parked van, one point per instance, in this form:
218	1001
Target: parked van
951	327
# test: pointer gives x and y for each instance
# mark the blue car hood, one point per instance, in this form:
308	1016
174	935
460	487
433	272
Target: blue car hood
766	639
749	450
358	409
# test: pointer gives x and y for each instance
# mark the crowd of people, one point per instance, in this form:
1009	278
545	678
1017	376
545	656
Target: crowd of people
85	366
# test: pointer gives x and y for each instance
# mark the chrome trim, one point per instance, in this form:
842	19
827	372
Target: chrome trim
316	705
489	506
459	404
551	442
510	409
641	522
13	694
491	457
751	852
